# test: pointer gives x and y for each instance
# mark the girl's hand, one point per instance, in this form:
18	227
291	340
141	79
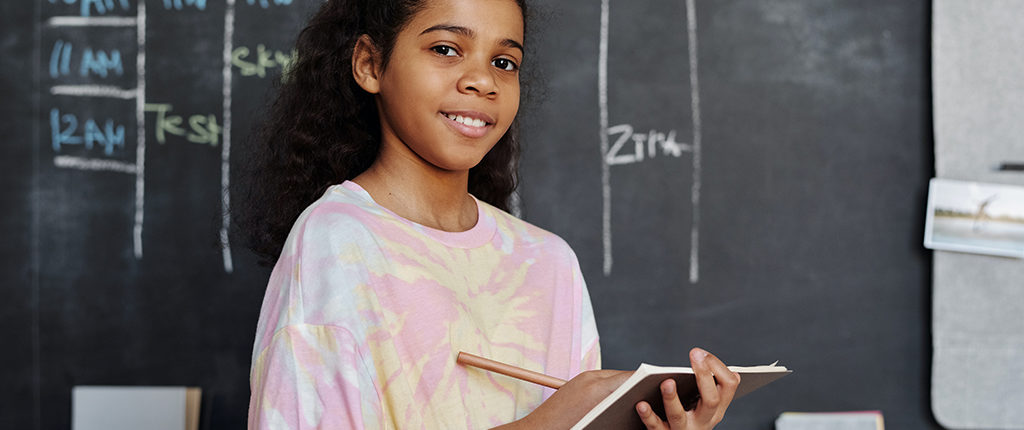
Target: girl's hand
568	404
714	396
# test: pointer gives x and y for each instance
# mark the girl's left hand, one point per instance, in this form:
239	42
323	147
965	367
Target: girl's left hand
717	385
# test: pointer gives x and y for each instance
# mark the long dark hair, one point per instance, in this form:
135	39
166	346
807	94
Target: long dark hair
323	129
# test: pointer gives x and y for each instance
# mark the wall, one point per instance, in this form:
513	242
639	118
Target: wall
744	176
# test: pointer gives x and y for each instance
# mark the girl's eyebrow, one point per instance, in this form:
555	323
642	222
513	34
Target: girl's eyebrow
467	32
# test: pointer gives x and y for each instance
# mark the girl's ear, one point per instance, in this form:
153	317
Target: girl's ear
366	65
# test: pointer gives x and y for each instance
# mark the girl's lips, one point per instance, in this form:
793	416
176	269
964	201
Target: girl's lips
468	130
471	114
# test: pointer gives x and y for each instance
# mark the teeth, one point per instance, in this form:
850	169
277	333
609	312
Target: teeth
472	122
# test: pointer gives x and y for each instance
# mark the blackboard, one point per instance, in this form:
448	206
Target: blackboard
744	176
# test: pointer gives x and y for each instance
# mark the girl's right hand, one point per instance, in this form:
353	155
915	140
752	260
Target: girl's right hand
568	404
717	385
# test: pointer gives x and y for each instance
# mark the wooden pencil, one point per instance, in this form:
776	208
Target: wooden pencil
468	359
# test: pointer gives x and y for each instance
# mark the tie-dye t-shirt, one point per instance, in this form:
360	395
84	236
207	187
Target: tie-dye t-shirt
366	311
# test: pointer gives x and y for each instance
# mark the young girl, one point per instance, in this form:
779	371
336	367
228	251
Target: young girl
394	136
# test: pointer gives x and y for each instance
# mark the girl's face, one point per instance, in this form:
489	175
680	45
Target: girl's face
451	87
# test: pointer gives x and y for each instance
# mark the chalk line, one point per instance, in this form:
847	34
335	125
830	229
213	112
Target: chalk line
691	21
92	21
94	91
95	164
225	155
140	121
602	100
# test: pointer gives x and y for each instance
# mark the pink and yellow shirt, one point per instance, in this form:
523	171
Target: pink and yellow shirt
365	312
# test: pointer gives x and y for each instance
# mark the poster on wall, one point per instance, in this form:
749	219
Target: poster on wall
975	217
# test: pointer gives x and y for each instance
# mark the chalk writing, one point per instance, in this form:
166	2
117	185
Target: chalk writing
266	3
201	128
99	62
645	145
263	60
63	129
180	4
60	59
69	60
102	7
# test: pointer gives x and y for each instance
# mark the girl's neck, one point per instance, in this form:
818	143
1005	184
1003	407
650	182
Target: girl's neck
420	192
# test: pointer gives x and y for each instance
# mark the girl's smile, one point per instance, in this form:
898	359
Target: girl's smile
469	123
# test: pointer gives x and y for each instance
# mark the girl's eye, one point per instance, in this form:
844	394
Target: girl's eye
444	50
505	64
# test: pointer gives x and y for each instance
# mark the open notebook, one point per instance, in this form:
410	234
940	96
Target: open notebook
617	411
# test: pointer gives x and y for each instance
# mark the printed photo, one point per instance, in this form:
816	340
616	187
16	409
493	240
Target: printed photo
975	217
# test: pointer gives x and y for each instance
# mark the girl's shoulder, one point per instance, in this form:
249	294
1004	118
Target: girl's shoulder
527	233
340	212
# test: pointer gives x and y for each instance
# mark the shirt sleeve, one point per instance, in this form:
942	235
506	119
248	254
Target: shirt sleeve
308	371
310	377
591	345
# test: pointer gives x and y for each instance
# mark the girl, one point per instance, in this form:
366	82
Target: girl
394	136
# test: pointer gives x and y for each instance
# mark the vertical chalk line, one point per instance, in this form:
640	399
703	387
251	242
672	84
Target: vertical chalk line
691	21
225	155
140	126
602	100
37	402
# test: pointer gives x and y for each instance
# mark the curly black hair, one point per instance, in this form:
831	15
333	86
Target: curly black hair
323	129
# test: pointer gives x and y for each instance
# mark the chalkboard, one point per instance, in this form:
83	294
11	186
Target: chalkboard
739	175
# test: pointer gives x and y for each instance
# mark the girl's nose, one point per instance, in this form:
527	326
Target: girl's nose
478	80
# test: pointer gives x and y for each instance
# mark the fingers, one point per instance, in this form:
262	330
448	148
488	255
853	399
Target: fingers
728	382
709	396
717	386
673	410
650	419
